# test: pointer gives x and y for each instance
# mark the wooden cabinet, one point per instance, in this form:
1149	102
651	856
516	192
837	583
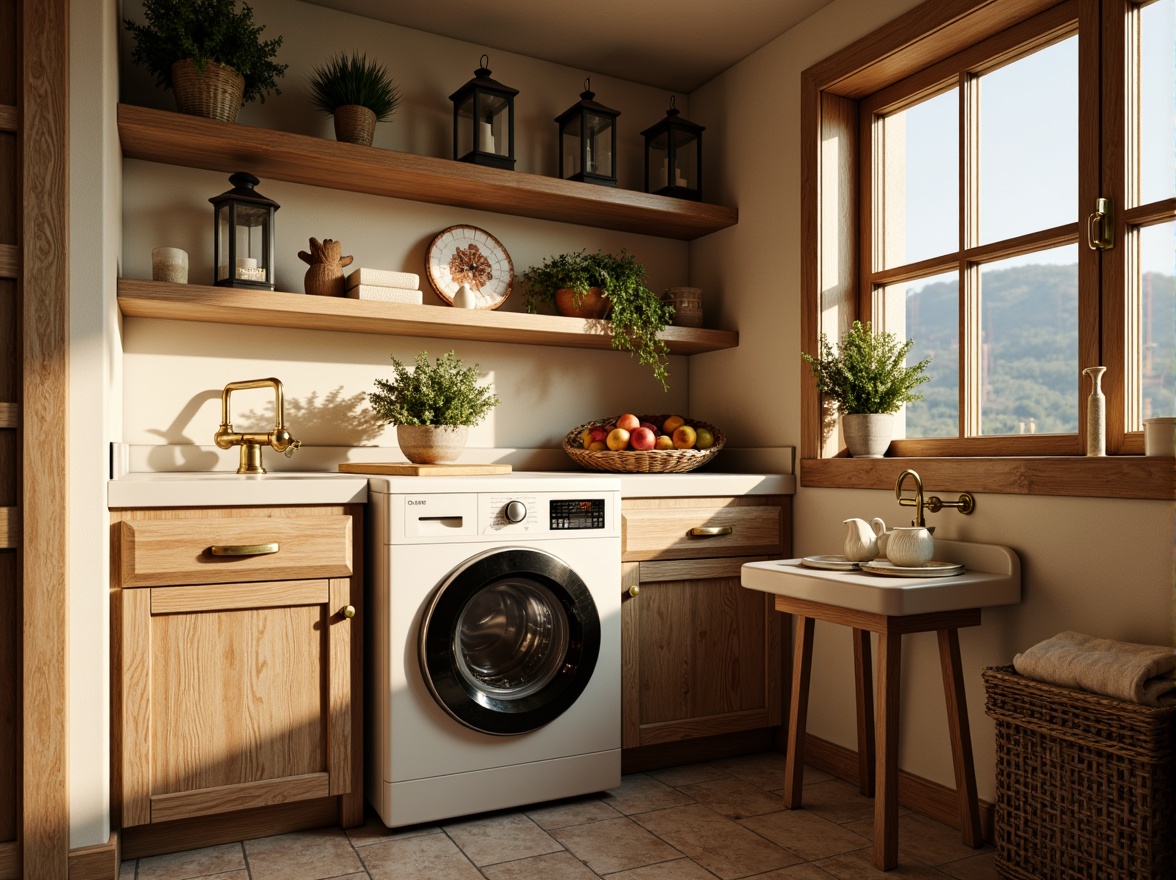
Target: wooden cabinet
701	656
238	673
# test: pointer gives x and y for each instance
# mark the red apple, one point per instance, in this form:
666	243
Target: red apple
651	427
642	438
628	422
598	434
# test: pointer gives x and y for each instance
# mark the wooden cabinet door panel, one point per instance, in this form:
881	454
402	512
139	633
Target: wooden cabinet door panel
696	529
234	694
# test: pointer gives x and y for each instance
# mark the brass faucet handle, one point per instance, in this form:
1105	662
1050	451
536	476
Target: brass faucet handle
965	505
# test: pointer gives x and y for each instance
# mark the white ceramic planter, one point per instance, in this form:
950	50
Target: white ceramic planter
431	444
868	434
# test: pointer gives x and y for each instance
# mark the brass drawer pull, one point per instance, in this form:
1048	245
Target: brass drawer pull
710	531
349	611
244	549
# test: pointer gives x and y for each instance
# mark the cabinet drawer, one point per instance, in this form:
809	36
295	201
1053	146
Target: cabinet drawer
215	551
701	531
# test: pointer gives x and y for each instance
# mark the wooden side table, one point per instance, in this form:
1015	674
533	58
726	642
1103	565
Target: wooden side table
891	608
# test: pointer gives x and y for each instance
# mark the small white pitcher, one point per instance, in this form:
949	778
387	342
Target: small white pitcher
883	536
861	545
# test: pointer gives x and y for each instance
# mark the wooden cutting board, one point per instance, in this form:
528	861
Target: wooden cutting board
407	469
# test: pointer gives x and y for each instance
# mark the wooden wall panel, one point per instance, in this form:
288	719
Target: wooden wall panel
8	56
9	703
8	200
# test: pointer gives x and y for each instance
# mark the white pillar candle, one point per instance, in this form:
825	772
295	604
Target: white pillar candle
485	137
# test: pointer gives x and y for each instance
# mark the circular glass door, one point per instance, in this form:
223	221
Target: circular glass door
509	641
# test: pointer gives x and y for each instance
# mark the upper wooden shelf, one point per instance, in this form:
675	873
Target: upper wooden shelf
222	305
176	139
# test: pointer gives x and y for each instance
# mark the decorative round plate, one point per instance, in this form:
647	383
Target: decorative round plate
473	257
829	563
931	569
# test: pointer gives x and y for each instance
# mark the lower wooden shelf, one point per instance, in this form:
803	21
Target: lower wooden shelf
219	305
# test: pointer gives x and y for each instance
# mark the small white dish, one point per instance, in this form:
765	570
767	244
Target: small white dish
830	563
931	569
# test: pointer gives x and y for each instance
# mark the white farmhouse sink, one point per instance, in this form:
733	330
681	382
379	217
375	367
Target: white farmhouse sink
992	577
228	488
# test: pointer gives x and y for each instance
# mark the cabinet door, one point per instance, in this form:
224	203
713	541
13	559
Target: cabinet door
701	654
234	696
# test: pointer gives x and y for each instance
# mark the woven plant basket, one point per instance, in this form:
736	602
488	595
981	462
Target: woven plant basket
355	124
1085	784
636	461
215	92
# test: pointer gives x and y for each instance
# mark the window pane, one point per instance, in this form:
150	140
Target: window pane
1029	368
1029	143
1157	104
1155	364
928	312
920	184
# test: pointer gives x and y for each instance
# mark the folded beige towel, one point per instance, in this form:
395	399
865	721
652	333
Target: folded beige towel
1141	674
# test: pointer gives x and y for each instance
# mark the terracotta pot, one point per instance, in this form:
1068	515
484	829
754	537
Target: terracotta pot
355	124
868	434
215	92
431	444
593	304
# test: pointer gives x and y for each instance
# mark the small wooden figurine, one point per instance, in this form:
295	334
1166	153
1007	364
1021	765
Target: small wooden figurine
325	275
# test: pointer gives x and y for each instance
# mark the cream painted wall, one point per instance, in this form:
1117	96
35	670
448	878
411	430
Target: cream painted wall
1101	566
173	371
95	383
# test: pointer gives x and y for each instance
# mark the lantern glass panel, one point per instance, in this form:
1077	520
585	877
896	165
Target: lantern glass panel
222	241
494	125
252	247
599	145
569	147
658	157
685	159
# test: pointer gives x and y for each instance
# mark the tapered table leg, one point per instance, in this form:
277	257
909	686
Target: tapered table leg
886	788
961	738
802	661
863	679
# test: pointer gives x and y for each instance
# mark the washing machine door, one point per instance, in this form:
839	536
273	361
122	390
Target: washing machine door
509	640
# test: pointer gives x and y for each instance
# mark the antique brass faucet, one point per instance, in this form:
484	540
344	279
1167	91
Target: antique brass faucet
934	504
251	443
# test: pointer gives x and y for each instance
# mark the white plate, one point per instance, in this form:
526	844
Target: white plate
473	257
931	569
829	563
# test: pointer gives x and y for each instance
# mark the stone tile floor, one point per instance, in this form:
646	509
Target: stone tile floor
720	819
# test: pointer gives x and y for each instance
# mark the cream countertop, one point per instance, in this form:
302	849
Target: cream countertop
225	488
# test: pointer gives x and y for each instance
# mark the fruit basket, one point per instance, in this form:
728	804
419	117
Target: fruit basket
637	461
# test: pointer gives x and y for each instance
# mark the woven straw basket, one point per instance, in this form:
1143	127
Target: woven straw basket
215	92
355	124
635	461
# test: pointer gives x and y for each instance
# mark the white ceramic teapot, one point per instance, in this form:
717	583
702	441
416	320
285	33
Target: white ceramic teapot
861	544
910	546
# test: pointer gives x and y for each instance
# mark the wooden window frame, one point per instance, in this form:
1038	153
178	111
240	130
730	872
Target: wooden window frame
832	93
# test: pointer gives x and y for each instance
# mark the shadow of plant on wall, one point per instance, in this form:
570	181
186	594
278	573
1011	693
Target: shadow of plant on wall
333	420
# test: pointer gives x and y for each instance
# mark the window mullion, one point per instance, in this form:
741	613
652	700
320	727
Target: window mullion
971	332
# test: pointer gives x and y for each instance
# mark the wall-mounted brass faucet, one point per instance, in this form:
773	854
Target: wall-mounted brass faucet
251	443
934	504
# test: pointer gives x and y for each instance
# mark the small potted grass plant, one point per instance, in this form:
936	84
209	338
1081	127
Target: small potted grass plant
869	380
433	406
209	53
357	92
584	285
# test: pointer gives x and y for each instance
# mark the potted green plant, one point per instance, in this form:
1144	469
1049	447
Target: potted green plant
600	285
357	92
209	53
869	380
433	406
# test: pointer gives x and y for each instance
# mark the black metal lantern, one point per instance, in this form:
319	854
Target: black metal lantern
243	235
483	121
588	140
673	157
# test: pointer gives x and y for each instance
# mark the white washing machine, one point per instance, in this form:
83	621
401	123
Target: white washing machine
494	642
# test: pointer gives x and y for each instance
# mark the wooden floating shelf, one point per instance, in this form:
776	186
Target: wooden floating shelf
195	142
222	305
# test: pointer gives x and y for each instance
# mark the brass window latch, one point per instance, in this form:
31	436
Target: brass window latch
1100	226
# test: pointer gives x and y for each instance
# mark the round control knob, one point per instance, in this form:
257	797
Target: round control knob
516	511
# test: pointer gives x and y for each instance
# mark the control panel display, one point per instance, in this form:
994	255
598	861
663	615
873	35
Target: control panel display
572	514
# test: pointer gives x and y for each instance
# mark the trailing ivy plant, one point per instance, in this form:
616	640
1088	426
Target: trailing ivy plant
638	315
352	79
868	373
445	393
206	30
